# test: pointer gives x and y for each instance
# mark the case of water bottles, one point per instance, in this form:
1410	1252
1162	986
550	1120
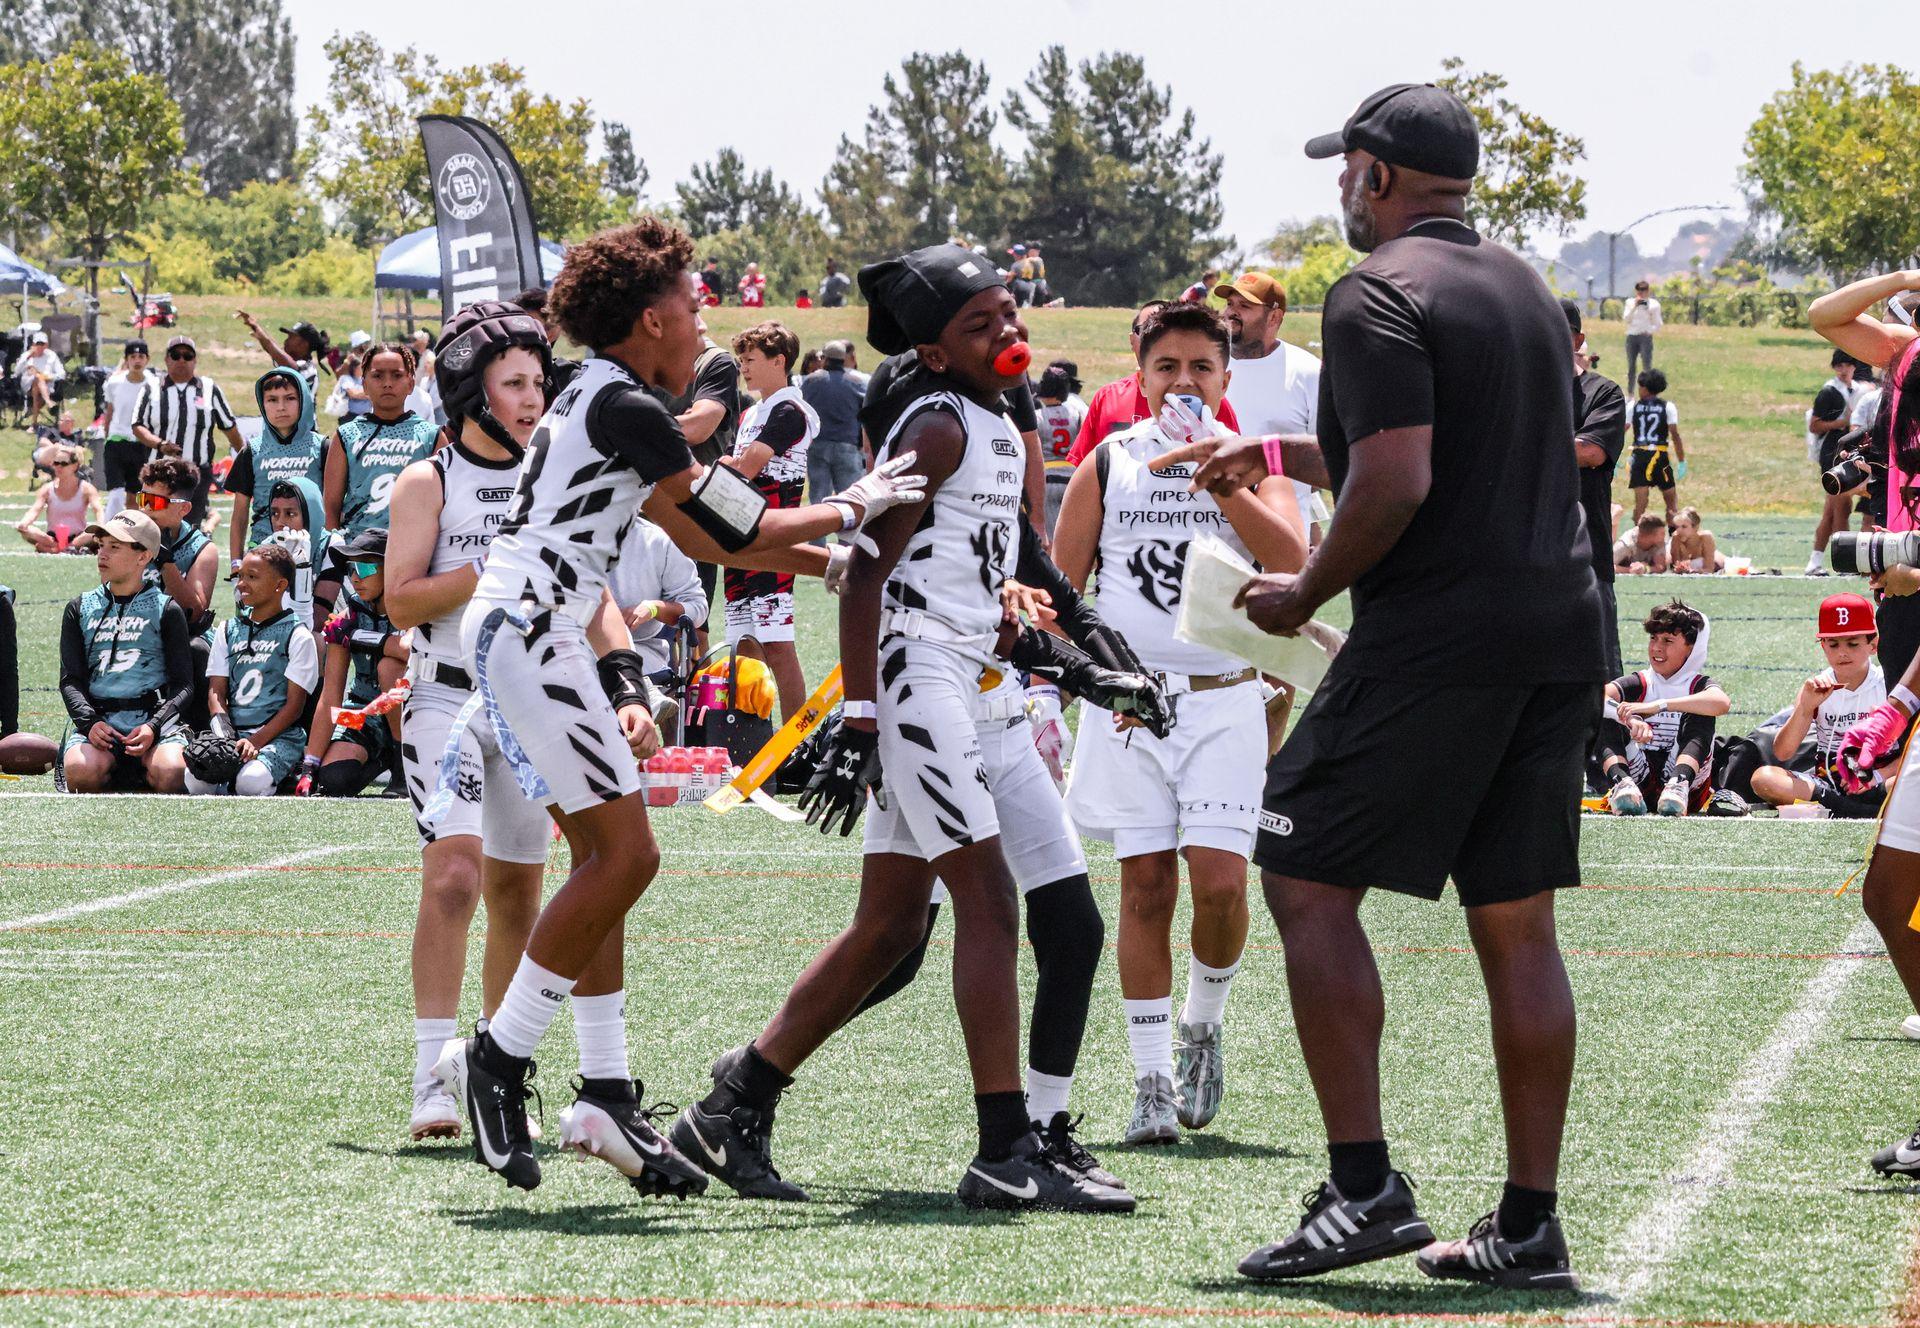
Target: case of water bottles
682	776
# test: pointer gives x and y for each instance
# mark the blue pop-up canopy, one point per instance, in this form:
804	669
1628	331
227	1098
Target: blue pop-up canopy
19	277
412	262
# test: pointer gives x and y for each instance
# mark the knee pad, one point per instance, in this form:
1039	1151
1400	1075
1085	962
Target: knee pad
255	780
340	779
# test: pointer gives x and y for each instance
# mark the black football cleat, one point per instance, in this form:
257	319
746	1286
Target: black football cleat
1338	1232
1058	1141
732	1145
1032	1179
615	1128
496	1105
1538	1263
1900	1158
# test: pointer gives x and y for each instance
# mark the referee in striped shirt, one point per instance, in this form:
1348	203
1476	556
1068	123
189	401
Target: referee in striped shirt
184	408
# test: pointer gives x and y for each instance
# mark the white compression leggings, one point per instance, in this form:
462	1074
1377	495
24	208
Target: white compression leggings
253	781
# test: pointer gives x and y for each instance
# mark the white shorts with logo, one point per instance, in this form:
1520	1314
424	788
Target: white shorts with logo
547	684
934	773
1900	824
762	617
486	801
1200	785
1036	835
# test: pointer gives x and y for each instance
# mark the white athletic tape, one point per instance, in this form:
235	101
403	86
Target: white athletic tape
1658	1233
87	906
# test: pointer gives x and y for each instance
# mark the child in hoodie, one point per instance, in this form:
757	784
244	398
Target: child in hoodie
287	449
1657	739
293	514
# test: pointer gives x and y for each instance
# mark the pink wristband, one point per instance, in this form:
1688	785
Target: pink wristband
1270	446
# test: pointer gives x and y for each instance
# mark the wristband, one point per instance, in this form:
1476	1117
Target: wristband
849	514
858	710
1905	696
652	611
1270	448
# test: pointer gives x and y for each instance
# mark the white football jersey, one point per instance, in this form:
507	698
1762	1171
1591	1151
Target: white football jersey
1149	518
475	494
1841	710
785	474
968	541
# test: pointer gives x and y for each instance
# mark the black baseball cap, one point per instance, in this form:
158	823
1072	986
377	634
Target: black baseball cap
1415	125
369	546
1572	311
314	336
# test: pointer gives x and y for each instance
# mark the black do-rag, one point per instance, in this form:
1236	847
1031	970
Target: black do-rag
912	298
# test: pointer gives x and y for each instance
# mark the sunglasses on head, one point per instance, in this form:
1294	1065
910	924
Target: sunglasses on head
182	353
365	570
153	502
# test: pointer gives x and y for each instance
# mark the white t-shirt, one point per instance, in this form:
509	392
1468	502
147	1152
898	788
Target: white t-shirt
1839	711
42	361
123	402
1280	393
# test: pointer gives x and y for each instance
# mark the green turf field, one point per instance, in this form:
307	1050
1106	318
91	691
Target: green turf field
209	1043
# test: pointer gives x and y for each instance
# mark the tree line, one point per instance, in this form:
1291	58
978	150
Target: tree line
168	127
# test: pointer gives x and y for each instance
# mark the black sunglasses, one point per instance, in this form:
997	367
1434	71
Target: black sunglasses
182	355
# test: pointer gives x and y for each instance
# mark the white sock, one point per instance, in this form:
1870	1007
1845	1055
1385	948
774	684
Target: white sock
115	501
1150	1034
1046	1095
600	1026
1207	992
429	1035
1816	561
529	1008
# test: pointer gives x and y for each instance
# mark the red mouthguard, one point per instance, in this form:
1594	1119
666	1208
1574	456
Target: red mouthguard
1013	361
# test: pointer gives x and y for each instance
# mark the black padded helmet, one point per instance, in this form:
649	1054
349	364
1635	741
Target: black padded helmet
469	342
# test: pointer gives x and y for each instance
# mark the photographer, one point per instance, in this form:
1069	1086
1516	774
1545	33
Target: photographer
1828	421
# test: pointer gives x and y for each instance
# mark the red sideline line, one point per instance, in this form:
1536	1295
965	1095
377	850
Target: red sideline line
754	874
1287	1313
1572	952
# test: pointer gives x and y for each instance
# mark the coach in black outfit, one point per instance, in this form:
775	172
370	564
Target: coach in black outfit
1599	429
1448	738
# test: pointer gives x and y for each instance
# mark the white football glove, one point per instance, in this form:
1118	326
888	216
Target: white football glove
887	485
840	560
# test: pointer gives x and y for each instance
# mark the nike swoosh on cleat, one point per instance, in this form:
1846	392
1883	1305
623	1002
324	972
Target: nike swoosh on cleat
1030	1190
654	1149
720	1157
497	1160
1906	1156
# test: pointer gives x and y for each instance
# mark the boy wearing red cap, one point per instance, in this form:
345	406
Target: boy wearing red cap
1830	702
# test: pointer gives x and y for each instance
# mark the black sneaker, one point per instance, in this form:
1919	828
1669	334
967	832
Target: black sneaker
1538	1263
620	1132
1338	1232
496	1105
1058	1143
733	1146
1901	1158
1032	1179
724	1067
1725	802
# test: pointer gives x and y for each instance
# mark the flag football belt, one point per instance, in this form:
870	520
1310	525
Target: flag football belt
1175	684
532	786
920	626
446	675
147	701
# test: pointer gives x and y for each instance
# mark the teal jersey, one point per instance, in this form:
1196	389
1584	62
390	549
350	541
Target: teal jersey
377	451
269	460
125	658
368	630
258	663
182	552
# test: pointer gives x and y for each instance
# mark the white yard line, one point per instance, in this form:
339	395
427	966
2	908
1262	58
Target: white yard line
158	891
1654	1237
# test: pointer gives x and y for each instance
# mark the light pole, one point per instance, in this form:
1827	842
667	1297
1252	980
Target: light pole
1613	237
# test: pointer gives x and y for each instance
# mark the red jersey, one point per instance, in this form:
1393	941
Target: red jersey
1121	405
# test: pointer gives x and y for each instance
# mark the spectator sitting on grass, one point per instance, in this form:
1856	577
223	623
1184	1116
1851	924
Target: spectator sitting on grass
62	433
126	674
1656	741
264	666
68	504
363	657
1692	549
1832	701
1645	550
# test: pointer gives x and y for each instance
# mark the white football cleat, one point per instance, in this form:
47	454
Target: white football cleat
1910	1027
435	1113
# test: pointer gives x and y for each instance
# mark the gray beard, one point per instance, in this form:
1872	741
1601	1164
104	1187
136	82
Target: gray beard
1363	232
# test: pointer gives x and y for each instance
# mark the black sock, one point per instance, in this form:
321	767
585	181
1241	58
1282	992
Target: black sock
1003	1122
1523	1210
903	972
1067	934
619	1090
495	1061
1360	1170
753	1082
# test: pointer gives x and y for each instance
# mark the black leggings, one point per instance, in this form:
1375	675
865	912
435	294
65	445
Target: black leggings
1695	739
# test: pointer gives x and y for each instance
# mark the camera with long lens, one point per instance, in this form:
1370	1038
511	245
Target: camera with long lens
1852	466
1870	554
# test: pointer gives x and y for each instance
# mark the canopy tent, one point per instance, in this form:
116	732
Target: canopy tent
19	277
412	262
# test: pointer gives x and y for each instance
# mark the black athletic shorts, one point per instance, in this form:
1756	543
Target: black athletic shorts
122	462
1650	468
1399	785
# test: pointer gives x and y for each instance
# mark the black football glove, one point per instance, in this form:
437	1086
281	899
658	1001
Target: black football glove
849	765
1135	694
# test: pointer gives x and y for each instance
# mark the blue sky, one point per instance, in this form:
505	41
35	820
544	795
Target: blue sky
1663	96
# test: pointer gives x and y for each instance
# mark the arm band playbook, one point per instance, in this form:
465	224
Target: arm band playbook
726	507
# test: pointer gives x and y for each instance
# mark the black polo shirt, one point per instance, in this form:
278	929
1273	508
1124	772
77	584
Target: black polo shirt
1493	581
1600	418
